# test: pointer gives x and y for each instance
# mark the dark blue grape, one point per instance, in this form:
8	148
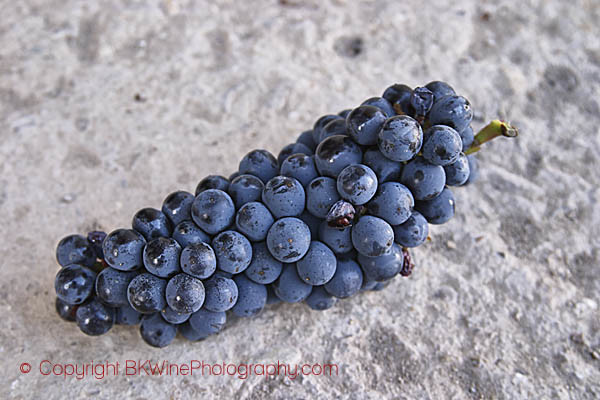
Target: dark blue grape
152	223
254	220
321	195
126	315
467	136
161	257
440	89
293	148
452	111
271	296
177	206
206	322
393	202
381	103
341	214
399	96
319	299
156	331
244	189
401	138
344	113
187	331
75	249
146	293
346	281
372	236
221	293
300	167
284	196
334	127
312	222
438	210
473	169
94	318
306	138
259	163
95	239
198	260
263	268
74	284
357	183
338	240
289	287
385	169
184	293
424	180
384	267
458	172
335	153
252	297
364	123
413	232
65	310
213	211
442	145
174	317
187	232
111	286
233	251
421	100
123	249
231	178
318	265
320	124
212	182
288	239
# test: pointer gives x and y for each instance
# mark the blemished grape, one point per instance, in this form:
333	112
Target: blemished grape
440	89
300	167
364	123
123	249
252	297
346	281
424	180
233	251
341	215
284	196
174	317
372	236
385	169
177	206
221	293
111	286
65	310
334	127
413	232
321	195
439	209
263	268
306	138
184	293
94	318
320	124
288	239
146	293
161	257
156	331
259	163
357	184
152	223
213	211
293	148
381	103
335	153
75	249
383	267
318	265
338	240
244	189
74	284
187	232
254	220
393	202
453	111
458	172
399	96
212	182
289	287
442	145
319	299
126	315
198	260
206	322
400	139
421	100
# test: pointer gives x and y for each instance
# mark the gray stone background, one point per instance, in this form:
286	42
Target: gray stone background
106	107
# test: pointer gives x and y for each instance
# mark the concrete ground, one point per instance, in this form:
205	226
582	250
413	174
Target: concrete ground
106	107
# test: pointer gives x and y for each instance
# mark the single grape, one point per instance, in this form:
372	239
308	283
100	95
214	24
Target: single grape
254	220
399	96
401	138
306	138
357	183
75	249
453	111
467	136
288	239
198	260
300	167
321	195
206	322
213	211
335	153
440	89
233	251
244	189
284	197
231	178
334	127
94	318
384	267
346	281
338	240
146	293
381	103
442	145
123	249
184	293
252	297
126	315
312	222
458	172
259	163
320	124
438	210
385	169
393	202
341	215
421	100
95	239
65	310
111	286
212	182
424	180
74	284
413	232
364	123
221	293
152	223
187	232
293	148
161	257
156	331
319	299
174	317
318	265
372	236
177	206
187	331
263	268
473	169
289	287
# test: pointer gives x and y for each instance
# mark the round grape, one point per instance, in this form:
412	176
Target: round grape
174	317
146	293
300	167
289	287
152	223
212	182
233	251
364	123
382	104
458	172
111	286
177	206
259	163
198	260
252	297
383	267
284	197
372	236
75	249
74	284
206	322
187	232
453	111
335	153
318	265
263	268
440	89
254	220
442	145
438	210
400	139
244	189
184	293
385	169
65	310
221	293
288	239
156	331
393	202
413	232
94	318
123	249
161	257
357	183
213	211
321	194
346	281
424	180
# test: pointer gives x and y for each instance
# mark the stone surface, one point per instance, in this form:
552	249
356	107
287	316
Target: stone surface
107	107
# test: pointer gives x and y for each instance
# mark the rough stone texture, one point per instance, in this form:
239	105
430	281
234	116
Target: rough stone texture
106	108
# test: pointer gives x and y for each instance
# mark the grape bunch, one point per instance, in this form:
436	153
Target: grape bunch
333	215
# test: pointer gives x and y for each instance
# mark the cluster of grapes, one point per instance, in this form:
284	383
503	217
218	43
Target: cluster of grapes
334	214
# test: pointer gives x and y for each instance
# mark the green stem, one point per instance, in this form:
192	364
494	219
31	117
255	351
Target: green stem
492	130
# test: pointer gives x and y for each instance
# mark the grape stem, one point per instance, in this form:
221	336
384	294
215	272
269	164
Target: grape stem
490	131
